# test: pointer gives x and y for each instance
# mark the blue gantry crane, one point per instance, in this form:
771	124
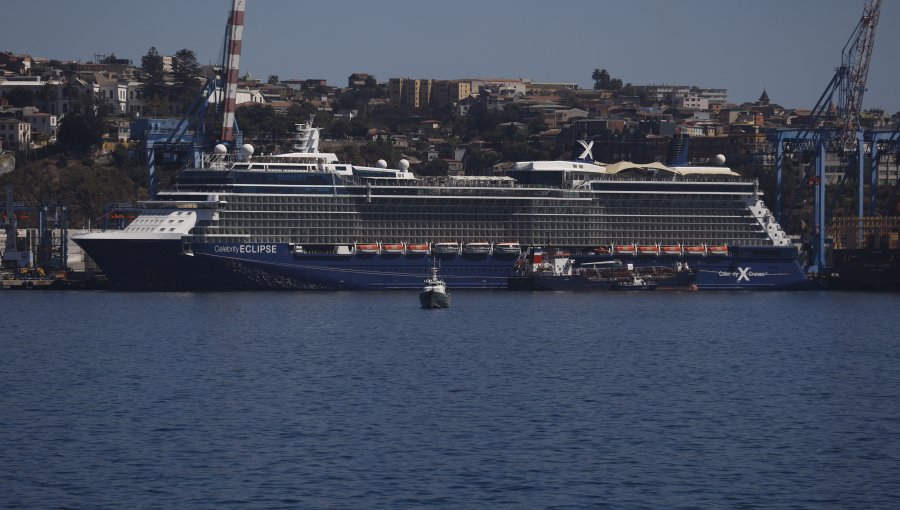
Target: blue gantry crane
833	127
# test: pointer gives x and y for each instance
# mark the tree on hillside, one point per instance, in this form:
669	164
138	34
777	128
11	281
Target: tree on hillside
601	79
70	89
80	130
151	74
185	70
48	93
434	167
258	122
20	97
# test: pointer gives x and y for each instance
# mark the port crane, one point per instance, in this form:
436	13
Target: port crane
188	137
834	131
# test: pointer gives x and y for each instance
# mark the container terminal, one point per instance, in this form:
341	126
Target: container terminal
37	252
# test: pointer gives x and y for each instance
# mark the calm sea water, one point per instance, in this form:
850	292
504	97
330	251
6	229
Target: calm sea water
507	400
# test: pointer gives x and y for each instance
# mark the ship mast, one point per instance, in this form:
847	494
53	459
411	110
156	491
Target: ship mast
234	37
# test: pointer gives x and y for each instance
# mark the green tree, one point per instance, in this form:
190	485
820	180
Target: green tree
257	122
20	97
480	162
70	89
80	130
434	167
156	106
151	74
601	79
185	69
373	151
273	79
48	93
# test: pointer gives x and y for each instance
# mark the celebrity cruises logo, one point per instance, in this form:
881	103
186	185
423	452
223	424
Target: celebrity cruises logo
743	274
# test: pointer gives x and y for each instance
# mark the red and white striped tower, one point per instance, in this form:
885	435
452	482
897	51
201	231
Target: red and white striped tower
232	64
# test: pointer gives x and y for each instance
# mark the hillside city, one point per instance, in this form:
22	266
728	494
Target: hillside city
97	114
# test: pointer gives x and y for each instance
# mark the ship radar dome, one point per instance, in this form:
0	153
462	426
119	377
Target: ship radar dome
403	164
220	149
381	163
248	150
720	159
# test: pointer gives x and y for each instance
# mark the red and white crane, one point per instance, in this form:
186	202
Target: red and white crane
233	38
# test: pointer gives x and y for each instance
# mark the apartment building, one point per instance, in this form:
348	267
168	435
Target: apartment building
16	134
673	94
43	123
412	93
448	92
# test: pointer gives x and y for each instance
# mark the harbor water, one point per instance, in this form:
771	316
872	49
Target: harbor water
506	400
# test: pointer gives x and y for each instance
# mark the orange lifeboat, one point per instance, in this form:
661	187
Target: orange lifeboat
392	247
718	250
625	249
417	248
367	248
602	250
695	250
671	249
650	249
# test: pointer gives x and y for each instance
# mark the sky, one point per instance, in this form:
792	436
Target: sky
790	48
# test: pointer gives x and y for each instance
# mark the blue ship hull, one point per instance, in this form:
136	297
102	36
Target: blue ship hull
170	265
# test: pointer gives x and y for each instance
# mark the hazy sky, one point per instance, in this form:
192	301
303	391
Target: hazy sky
788	47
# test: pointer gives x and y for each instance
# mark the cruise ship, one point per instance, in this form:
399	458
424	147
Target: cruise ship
305	220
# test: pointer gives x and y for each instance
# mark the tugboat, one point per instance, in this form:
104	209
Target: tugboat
434	294
636	283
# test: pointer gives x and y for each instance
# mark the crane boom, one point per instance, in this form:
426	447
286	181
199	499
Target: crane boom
856	55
